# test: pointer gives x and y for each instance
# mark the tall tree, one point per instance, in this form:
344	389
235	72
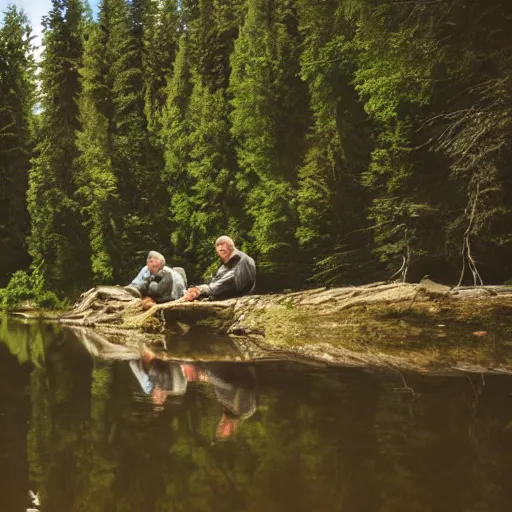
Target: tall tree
161	30
97	181
17	95
470	123
130	147
393	79
58	242
331	201
120	171
175	136
212	160
269	119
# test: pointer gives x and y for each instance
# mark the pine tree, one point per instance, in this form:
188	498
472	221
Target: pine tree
160	38
470	124
175	137
120	165
17	94
331	201
394	80
98	182
269	120
58	242
211	166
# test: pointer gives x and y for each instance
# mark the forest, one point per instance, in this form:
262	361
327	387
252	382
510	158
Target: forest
336	141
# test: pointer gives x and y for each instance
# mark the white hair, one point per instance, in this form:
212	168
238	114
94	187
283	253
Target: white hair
157	256
225	240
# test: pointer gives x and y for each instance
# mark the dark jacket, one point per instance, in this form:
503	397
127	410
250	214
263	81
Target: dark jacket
235	278
166	285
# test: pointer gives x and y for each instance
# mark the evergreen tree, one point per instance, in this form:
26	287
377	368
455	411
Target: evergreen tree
160	38
470	123
120	170
331	201
175	136
214	204
17	93
269	120
98	182
130	148
58	241
393	79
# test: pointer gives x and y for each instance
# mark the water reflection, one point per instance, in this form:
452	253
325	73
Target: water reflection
234	385
80	430
161	377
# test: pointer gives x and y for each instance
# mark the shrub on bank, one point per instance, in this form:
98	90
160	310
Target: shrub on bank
27	290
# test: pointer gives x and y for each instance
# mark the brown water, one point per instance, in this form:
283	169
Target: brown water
82	434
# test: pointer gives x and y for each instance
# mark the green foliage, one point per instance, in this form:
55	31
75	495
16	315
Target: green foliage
393	78
336	142
17	96
269	120
18	290
331	202
28	289
119	160
57	242
176	141
97	190
160	23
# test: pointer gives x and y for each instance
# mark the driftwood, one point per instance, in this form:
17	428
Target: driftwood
115	306
425	326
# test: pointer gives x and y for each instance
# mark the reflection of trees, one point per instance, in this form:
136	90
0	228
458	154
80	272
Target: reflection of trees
25	341
322	440
14	411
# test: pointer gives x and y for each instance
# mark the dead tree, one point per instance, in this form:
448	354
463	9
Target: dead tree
467	258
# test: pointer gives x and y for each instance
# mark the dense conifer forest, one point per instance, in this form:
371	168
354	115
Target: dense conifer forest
336	141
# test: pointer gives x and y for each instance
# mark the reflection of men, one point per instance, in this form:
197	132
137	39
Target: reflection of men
158	282
234	385
235	277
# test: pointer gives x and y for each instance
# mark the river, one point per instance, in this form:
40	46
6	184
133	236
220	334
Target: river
80	433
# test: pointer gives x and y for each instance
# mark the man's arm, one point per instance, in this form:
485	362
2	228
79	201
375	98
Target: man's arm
141	278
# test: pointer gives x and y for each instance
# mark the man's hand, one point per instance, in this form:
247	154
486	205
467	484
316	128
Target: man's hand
192	294
148	302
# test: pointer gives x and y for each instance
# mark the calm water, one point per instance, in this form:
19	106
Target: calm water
82	433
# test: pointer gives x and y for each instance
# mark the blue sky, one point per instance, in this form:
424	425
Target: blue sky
35	10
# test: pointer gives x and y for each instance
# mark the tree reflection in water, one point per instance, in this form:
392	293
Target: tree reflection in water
320	439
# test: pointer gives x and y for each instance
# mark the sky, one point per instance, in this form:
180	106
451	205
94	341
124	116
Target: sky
35	10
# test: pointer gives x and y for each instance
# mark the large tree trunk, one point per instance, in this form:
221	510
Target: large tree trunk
395	325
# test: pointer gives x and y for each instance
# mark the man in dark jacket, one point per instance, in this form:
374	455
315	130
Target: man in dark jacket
235	277
158	283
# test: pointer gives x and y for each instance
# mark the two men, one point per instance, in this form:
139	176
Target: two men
234	384
158	283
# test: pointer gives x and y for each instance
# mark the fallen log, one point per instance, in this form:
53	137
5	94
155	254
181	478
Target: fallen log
424	326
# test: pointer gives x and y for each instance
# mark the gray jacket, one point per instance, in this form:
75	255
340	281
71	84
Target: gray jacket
166	285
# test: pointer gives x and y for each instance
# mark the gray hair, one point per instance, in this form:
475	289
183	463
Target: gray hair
225	240
157	256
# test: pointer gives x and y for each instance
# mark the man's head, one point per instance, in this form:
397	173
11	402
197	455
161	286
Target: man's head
155	262
225	248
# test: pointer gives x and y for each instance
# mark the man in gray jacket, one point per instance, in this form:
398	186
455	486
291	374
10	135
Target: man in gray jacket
235	277
158	282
